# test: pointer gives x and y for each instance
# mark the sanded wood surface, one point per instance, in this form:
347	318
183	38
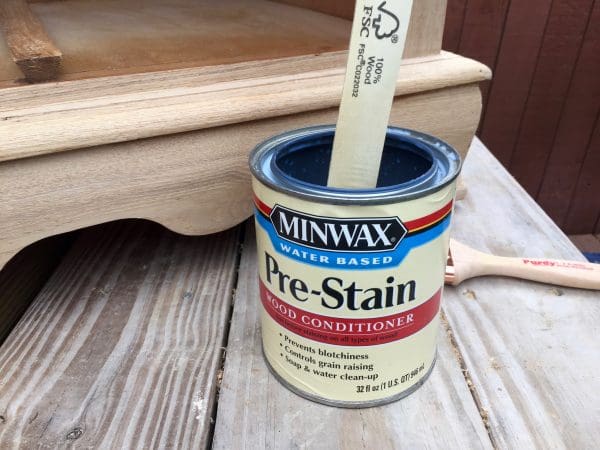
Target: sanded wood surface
531	349
114	109
256	411
426	23
122	347
111	37
28	44
193	183
128	36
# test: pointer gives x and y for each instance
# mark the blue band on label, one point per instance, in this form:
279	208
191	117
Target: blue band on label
351	260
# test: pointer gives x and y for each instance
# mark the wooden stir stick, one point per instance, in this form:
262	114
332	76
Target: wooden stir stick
376	46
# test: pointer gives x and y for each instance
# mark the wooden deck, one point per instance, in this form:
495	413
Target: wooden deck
147	339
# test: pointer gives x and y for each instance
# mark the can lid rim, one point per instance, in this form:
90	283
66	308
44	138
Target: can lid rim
445	168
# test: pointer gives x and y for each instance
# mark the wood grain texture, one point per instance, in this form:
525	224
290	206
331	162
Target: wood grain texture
543	100
426	28
426	23
558	56
584	207
573	135
256	411
116	109
121	348
112	37
453	26
193	183
531	349
483	27
25	275
29	45
514	72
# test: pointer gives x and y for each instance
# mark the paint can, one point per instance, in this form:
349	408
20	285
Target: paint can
351	280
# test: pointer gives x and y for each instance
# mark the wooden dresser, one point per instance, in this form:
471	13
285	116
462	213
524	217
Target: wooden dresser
148	109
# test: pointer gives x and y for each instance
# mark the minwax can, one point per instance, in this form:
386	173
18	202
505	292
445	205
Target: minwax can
351	280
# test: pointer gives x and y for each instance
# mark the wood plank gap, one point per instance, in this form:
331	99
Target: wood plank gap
575	129
515	68
565	101
453	25
125	345
555	65
30	47
482	34
256	411
567	222
227	328
520	339
486	99
466	374
462	25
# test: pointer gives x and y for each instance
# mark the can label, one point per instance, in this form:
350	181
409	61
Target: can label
351	293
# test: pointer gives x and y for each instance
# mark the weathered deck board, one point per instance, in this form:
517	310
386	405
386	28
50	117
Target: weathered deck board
531	349
121	348
256	411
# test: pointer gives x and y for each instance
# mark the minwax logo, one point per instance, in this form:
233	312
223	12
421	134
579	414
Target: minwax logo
333	234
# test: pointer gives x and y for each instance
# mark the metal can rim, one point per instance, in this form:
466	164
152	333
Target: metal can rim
351	404
446	167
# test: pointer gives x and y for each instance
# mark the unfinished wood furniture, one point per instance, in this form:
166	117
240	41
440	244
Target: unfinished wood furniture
123	348
157	105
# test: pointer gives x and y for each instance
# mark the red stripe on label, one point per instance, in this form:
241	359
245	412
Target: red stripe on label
349	332
430	219
266	209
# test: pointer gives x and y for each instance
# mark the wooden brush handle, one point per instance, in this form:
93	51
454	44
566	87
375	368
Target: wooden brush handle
558	272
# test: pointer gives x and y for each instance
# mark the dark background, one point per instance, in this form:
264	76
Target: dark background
541	109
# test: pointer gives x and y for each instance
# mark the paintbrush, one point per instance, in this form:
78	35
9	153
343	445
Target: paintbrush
465	262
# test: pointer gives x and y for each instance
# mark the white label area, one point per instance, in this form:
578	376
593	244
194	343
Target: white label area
351	294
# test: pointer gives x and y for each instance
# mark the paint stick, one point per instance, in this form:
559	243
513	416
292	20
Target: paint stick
376	47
